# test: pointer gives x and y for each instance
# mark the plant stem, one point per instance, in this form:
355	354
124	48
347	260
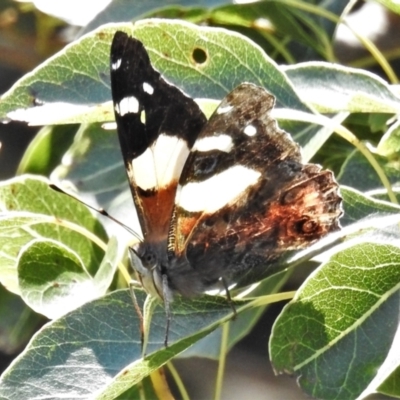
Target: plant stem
222	360
178	381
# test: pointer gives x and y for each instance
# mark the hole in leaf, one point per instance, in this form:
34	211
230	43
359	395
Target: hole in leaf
199	56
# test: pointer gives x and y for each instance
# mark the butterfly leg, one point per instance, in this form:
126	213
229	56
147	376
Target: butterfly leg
228	297
132	286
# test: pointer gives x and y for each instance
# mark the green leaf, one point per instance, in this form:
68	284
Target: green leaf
358	173
49	275
210	346
391	386
31	211
378	122
94	165
345	316
144	391
46	150
95	351
53	280
389	145
358	205
78	76
334	88
116	252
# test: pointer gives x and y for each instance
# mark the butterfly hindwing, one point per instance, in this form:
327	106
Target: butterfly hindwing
157	126
244	196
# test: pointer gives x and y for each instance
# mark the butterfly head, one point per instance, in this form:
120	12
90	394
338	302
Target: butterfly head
147	262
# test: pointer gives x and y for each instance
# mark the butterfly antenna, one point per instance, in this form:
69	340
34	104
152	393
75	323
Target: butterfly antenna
99	210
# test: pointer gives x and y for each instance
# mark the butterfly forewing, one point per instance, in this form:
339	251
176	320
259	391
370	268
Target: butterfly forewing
157	126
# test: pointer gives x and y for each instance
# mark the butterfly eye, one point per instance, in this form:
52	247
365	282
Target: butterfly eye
149	259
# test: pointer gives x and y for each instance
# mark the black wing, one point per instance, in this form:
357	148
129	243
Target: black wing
157	126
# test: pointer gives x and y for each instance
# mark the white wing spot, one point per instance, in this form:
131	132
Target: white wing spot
170	154
250	130
127	105
161	164
116	65
216	192
220	142
148	88
224	110
143	171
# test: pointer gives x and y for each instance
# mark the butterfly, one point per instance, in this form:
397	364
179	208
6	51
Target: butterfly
217	200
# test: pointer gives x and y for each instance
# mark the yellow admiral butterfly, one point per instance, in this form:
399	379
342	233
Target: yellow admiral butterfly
217	200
